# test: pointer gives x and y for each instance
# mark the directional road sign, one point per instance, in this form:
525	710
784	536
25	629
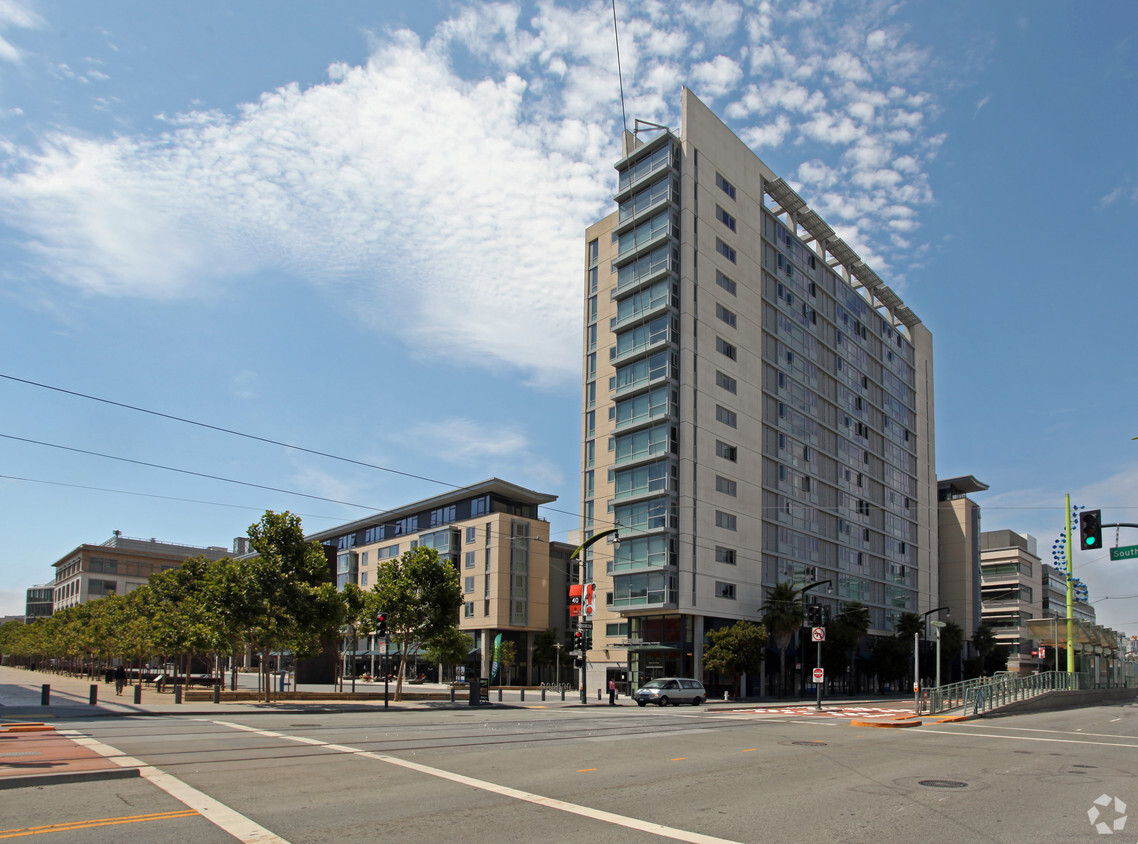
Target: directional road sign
1129	552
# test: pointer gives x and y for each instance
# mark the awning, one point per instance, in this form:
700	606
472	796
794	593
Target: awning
1084	635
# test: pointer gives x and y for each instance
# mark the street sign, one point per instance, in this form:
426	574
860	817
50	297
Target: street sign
818	634
1128	552
818	674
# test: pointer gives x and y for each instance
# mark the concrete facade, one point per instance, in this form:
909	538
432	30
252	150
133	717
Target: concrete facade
757	408
958	531
118	566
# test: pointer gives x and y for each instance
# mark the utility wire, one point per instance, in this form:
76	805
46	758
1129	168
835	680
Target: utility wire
255	437
186	471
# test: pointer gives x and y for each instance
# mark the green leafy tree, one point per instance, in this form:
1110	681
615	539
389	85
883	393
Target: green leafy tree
736	649
507	658
450	647
782	615
909	624
283	598
545	650
984	640
421	595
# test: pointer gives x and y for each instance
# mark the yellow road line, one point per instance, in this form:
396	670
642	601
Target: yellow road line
585	770
92	824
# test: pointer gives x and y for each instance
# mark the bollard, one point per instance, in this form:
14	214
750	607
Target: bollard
562	694
138	693
725	696
499	694
45	694
93	698
217	693
598	694
452	694
523	695
543	694
177	693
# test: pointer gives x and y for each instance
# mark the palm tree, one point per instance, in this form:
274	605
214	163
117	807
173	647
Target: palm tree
782	615
951	644
908	624
984	640
847	629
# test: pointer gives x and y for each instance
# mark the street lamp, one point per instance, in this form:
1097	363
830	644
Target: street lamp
917	657
938	625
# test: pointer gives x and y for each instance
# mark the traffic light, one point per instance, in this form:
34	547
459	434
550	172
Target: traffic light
381	624
814	615
579	641
1090	530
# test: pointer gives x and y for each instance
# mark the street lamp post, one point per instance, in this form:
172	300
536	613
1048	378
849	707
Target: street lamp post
938	625
924	634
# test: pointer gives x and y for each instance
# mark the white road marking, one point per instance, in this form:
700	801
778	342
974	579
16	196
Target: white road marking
1041	730
1022	738
506	791
227	819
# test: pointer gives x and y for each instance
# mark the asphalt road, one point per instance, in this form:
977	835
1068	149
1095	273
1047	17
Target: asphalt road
594	774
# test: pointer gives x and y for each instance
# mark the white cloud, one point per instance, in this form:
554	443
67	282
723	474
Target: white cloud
467	441
715	78
15	14
453	174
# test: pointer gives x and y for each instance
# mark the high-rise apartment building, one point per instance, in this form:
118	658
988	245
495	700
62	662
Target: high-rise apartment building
758	408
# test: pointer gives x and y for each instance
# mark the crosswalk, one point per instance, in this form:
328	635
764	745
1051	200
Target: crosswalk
832	711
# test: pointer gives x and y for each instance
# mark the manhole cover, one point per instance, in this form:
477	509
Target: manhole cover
943	783
809	743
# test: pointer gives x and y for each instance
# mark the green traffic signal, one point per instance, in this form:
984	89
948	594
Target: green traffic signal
1090	529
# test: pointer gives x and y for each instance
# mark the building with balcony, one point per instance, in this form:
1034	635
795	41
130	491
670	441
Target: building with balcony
757	408
515	580
118	566
1011	589
39	602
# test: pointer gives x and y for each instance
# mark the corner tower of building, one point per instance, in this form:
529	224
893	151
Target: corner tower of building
758	408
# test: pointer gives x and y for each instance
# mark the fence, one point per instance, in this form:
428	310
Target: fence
987	693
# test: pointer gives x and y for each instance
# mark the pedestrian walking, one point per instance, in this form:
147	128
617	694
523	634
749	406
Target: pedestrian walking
612	692
120	679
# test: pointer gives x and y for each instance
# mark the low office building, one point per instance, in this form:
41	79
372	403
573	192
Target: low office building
118	566
1011	590
515	581
39	602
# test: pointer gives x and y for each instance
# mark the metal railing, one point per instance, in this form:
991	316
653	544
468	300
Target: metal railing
986	693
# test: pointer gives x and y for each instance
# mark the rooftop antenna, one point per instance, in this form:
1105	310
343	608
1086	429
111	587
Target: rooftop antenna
619	75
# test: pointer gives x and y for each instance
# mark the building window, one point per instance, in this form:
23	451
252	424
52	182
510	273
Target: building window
725	590
727	452
724	555
725	315
725	348
469	559
727	417
724	520
725	485
468	609
468	585
725	381
725	282
471	534
363	578
594	252
724	185
725	218
725	250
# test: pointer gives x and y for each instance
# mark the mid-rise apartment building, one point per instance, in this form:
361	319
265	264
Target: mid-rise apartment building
757	408
515	580
118	566
1012	588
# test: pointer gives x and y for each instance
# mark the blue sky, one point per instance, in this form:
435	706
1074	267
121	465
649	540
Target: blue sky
357	228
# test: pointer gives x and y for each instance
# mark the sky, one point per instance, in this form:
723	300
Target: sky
357	228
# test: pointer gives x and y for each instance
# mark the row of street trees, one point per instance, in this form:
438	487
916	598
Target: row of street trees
732	651
281	601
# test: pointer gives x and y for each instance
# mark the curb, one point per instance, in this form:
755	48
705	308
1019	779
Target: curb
886	724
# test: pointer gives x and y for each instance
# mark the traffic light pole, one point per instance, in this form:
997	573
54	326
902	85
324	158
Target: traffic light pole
1070	596
581	616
